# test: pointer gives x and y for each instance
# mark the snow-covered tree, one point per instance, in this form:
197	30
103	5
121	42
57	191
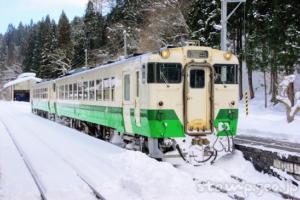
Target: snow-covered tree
291	110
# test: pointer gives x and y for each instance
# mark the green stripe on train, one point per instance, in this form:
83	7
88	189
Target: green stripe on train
154	123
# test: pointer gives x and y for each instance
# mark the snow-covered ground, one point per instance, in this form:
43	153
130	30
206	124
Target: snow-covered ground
65	160
268	122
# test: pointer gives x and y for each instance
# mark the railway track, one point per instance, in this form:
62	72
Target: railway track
33	173
28	165
268	142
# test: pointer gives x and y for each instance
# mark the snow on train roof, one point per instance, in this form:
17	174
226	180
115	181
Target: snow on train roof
22	78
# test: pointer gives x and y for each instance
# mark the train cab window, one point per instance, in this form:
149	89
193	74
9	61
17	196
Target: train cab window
164	72
66	92
80	91
99	90
127	87
75	91
197	78
225	74
70	92
113	87
85	90
106	88
92	90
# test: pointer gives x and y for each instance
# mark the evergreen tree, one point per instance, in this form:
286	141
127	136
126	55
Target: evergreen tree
78	38
64	32
201	19
94	28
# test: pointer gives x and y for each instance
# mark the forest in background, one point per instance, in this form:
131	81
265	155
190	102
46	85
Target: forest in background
263	33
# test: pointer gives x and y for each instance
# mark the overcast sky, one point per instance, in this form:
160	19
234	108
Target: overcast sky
15	11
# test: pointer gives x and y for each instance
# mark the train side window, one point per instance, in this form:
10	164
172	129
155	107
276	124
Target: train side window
92	90
66	92
144	74
197	78
99	90
85	90
70	92
106	88
45	92
127	87
137	84
80	91
113	87
61	92
75	91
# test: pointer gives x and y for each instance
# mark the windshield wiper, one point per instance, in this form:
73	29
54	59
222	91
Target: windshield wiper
162	75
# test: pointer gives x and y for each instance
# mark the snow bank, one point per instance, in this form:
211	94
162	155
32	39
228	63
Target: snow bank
115	172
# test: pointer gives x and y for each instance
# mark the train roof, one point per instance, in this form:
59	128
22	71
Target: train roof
132	58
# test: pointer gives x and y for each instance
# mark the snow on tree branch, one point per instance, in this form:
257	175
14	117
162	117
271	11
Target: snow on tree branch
291	111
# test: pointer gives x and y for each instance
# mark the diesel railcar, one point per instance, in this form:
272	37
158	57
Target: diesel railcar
160	102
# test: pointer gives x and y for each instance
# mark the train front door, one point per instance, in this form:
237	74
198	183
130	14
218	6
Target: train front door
197	99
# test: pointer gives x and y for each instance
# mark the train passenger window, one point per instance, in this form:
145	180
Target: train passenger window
85	90
137	84
66	92
164	72
70	92
92	91
106	88
113	86
61	92
46	93
75	91
127	87
225	74
144	74
197	78
99	90
80	91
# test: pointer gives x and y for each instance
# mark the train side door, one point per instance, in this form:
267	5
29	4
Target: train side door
137	108
197	99
52	97
127	101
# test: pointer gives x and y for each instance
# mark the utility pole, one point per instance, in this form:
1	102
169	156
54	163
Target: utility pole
125	43
86	57
225	18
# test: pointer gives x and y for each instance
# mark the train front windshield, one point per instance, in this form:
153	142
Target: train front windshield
225	74
164	72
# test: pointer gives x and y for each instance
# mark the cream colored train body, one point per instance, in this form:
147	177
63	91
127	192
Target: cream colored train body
151	99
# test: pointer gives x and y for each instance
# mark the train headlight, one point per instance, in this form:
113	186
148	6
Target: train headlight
227	55
165	53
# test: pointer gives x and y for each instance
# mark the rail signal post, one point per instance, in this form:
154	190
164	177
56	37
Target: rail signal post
225	18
